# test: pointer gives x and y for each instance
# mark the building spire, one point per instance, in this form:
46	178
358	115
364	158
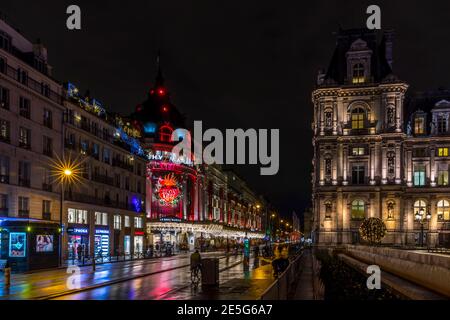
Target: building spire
159	82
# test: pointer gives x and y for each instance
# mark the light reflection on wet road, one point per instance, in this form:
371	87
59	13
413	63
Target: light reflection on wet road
162	285
44	283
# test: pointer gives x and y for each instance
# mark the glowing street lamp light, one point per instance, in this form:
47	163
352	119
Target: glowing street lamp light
421	217
65	172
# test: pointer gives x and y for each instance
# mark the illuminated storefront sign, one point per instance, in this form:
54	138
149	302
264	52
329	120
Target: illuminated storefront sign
77	230
169	219
101	231
139	233
169	156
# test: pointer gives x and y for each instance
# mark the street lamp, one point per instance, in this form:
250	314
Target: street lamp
422	218
65	172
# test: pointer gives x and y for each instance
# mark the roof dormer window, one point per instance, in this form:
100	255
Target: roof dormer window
358	73
441	123
419	125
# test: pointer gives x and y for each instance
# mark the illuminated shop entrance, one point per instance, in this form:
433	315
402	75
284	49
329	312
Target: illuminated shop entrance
77	243
101	242
138	244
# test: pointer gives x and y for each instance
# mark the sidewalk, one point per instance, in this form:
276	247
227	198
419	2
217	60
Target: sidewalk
41	284
305	290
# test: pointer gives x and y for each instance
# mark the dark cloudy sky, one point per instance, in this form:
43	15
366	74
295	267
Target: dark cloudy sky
248	64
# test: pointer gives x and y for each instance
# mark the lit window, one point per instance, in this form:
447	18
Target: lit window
117	222
420	207
419	175
443	210
419	127
137	222
127	222
358	73
358	151
443	152
358	210
77	216
358	118
101	218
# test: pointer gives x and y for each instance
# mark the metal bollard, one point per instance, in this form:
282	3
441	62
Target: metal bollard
7	272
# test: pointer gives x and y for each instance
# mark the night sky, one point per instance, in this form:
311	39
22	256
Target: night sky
232	64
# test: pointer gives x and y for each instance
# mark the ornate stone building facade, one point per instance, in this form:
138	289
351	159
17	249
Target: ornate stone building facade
377	153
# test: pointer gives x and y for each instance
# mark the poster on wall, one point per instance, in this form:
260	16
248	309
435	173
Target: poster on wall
17	244
44	243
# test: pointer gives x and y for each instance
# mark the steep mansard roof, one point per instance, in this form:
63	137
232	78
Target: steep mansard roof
380	68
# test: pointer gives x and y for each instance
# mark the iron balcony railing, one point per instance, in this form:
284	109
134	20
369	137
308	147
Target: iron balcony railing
34	85
107	202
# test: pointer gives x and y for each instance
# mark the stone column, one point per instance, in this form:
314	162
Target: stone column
432	166
384	165
335	118
345	166
372	164
398	109
195	199
409	169
398	173
321	167
148	195
433	223
185	198
321	114
334	165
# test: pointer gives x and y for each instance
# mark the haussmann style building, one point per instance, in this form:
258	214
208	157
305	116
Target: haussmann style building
379	151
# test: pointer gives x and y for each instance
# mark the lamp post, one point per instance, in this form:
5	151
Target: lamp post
65	176
272	217
421	217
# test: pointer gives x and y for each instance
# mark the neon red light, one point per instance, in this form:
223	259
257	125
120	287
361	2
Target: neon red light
168	194
152	91
168	190
139	233
161	92
165	109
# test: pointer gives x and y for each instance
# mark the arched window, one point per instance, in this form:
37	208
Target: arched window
165	133
358	73
420	207
443	210
358	115
358	210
